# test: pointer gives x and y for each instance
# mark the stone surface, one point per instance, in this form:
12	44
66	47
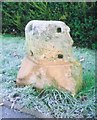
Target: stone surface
49	60
47	39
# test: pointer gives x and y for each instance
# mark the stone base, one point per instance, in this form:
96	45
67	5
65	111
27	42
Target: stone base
65	75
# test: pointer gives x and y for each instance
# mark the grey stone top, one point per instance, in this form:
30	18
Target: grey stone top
48	39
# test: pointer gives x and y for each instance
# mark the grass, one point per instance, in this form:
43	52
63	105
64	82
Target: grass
59	104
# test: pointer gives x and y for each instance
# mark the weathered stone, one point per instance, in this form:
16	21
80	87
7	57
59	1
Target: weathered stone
45	41
49	60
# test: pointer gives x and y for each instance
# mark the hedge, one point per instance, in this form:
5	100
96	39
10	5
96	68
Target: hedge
80	17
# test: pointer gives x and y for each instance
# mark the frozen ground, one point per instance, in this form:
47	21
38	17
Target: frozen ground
58	103
11	113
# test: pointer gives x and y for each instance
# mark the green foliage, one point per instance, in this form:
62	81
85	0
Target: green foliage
80	17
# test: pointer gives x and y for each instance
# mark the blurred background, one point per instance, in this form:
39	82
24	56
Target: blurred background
81	17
